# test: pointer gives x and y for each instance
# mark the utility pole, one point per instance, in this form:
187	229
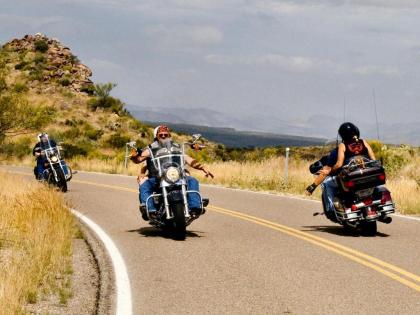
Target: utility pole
286	166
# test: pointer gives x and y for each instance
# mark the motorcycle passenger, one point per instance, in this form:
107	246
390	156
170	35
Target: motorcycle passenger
43	143
351	146
151	184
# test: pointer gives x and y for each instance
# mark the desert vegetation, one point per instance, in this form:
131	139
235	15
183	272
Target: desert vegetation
36	232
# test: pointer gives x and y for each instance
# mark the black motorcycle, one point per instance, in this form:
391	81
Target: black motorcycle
361	199
171	202
56	171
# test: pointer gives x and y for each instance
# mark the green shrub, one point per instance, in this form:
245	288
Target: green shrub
71	150
20	88
19	148
39	58
88	89
41	46
92	133
117	140
65	81
3	84
21	65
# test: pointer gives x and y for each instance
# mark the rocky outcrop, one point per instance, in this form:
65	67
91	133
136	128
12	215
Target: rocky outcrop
59	64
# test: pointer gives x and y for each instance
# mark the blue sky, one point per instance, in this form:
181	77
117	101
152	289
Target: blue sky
265	60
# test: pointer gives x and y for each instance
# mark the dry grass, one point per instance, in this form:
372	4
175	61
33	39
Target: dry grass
268	175
36	232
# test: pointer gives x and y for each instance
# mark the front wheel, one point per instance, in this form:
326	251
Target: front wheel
179	226
62	182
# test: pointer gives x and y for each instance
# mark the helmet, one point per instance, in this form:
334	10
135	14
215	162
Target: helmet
348	132
41	135
159	129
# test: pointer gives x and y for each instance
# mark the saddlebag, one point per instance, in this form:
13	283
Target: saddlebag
361	178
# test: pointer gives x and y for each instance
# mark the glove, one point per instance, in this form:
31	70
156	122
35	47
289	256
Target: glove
310	189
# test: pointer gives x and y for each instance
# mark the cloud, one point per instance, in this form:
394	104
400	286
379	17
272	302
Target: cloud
184	37
289	63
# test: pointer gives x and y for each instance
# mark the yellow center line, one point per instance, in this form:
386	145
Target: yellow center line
376	264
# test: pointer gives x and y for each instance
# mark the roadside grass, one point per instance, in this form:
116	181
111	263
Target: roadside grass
268	174
36	232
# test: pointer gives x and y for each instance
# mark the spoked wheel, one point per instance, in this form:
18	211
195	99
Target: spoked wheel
369	228
179	226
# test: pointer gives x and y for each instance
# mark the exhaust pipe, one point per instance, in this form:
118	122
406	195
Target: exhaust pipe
385	219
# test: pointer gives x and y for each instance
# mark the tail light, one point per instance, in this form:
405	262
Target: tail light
368	201
349	184
382	177
354	208
386	197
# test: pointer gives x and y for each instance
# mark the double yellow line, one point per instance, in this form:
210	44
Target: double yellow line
396	273
407	278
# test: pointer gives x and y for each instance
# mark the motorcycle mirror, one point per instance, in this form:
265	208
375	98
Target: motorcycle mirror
131	144
197	146
196	137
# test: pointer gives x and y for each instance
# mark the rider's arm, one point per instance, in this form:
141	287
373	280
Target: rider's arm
340	158
195	164
138	158
142	175
370	151
36	151
325	171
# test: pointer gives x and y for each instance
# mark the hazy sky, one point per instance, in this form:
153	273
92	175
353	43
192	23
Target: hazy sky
285	59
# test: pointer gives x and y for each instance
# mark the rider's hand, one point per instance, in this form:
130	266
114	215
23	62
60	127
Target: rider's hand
37	153
310	189
141	179
208	173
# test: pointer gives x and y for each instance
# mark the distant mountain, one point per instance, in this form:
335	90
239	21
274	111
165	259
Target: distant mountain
316	126
233	138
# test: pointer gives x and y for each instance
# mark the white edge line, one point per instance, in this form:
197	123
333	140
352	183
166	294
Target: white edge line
250	191
124	303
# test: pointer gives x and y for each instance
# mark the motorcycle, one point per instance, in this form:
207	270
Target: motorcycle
56	171
361	199
171	201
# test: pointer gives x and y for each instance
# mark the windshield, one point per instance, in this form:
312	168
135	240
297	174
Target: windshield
168	157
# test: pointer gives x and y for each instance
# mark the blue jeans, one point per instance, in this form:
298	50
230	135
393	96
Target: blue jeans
151	185
329	189
40	167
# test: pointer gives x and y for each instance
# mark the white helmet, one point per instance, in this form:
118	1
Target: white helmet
155	131
44	134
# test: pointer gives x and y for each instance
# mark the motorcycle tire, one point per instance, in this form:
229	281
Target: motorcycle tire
62	182
369	228
179	226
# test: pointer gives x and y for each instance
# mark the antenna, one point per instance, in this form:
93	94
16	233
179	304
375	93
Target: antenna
344	112
376	113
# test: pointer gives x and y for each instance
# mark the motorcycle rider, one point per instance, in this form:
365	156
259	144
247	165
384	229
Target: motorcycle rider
351	146
148	186
43	143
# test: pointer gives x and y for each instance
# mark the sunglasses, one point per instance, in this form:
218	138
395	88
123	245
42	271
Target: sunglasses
163	135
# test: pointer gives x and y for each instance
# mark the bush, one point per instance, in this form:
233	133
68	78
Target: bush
65	81
71	150
117	140
3	84
20	65
39	58
20	88
41	46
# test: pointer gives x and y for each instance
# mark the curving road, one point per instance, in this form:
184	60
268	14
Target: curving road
254	253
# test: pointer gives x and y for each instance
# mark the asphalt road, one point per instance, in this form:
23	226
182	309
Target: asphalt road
254	253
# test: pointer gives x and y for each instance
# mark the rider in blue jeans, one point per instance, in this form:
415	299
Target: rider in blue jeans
150	184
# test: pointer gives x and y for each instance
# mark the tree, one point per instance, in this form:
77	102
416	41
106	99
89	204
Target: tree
18	116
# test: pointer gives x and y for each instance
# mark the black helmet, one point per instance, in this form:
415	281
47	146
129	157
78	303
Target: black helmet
348	132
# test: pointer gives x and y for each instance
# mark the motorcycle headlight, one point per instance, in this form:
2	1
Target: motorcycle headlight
54	159
172	174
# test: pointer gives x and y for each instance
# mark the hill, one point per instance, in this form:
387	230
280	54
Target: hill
45	87
233	138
